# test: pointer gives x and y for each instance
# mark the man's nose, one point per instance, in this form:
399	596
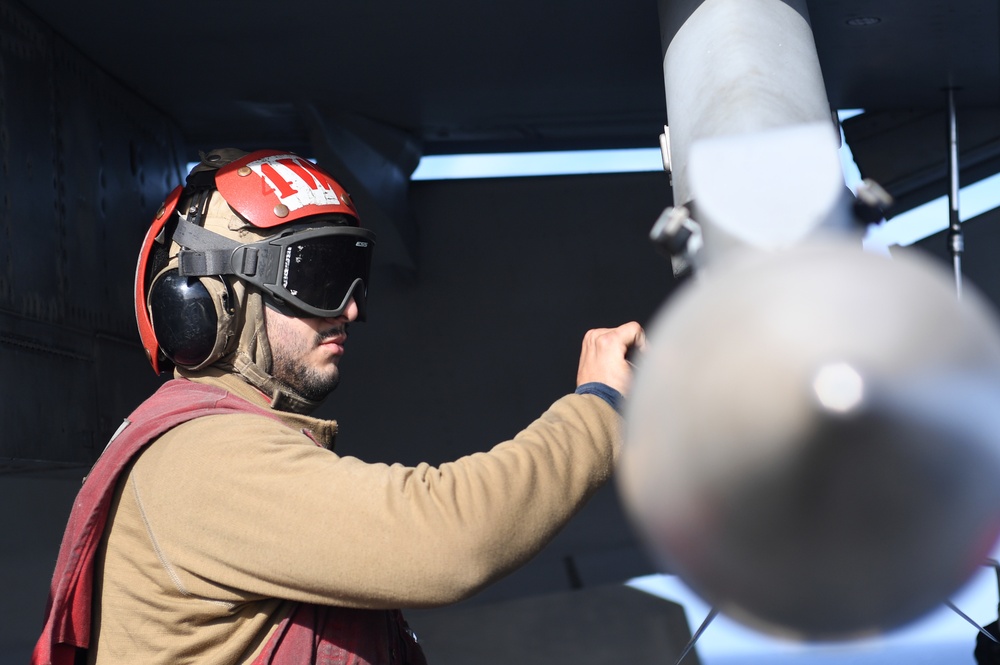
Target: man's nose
350	312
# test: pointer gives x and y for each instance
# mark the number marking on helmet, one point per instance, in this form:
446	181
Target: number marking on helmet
295	181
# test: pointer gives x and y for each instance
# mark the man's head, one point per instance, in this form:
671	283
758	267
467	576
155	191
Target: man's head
254	242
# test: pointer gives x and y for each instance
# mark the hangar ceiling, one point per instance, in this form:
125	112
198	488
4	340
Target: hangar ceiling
455	77
470	77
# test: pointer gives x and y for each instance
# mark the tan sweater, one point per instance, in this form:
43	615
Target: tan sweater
225	519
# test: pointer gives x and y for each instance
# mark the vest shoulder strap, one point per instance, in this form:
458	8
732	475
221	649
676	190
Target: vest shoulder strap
68	614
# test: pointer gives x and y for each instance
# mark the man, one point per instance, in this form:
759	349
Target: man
219	526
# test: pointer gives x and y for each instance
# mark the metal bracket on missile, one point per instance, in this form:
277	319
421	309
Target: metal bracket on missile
665	151
871	202
679	237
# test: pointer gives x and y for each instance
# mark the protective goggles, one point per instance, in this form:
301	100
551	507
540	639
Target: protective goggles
316	271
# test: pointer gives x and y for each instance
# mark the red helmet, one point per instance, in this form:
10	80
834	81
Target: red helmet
268	220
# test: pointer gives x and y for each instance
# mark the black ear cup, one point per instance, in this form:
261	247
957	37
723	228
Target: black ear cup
184	317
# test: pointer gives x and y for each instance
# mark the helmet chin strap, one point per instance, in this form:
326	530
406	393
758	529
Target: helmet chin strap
253	360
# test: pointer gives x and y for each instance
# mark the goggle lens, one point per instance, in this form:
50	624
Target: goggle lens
322	271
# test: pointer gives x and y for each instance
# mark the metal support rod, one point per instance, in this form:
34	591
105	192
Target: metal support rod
996	569
954	608
956	243
712	613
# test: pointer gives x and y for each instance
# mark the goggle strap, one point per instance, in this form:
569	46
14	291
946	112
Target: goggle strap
213	255
203	264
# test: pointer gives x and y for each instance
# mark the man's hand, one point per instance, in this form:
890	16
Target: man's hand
602	358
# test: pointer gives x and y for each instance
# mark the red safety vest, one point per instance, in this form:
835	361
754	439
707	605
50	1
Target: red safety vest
312	634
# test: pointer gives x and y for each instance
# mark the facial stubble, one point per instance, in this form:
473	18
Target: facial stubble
290	366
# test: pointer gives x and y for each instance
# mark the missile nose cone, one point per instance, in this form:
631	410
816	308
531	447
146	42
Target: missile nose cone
813	440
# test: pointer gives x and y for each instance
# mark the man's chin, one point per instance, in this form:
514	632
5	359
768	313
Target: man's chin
318	391
311	384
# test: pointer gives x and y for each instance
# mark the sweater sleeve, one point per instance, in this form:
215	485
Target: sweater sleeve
240	507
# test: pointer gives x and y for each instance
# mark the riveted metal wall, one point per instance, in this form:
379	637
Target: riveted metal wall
84	164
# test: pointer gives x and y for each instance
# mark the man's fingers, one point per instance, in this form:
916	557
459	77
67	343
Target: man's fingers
603	357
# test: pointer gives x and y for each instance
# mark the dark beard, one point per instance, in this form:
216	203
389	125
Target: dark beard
305	381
